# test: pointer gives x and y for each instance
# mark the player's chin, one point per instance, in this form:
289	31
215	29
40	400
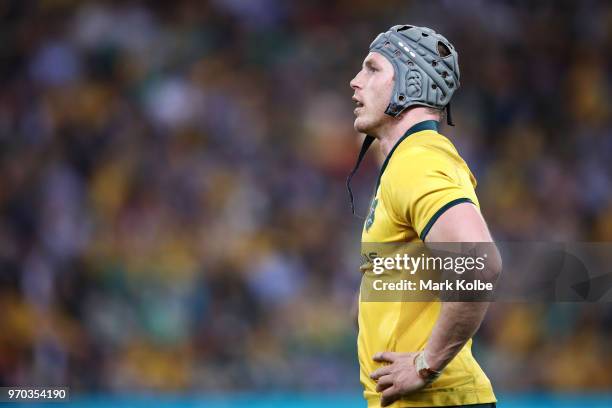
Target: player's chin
361	125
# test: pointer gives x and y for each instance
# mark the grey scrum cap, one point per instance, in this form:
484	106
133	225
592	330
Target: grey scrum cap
425	63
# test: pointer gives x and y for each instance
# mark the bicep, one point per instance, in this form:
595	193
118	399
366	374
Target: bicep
464	223
460	223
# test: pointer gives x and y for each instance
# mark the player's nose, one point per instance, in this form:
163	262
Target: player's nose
355	82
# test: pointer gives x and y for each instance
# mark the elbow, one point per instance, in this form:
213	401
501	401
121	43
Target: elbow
494	266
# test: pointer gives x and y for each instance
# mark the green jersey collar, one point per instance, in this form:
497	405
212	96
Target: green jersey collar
418	127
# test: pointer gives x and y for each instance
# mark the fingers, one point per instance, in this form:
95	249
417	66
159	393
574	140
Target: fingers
380	372
389	396
388	356
384	383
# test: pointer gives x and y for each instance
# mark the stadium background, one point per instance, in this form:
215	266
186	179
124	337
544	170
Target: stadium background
173	211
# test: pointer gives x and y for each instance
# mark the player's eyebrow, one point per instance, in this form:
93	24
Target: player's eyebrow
369	63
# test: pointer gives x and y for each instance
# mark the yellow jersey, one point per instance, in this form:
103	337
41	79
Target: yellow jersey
422	177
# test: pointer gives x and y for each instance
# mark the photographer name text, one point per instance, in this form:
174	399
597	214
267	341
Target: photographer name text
432	285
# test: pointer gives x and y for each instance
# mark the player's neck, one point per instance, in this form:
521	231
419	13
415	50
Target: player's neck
396	128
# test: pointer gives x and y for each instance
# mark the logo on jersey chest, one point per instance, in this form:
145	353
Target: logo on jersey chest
371	213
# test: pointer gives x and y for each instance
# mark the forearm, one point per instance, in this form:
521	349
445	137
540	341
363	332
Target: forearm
457	323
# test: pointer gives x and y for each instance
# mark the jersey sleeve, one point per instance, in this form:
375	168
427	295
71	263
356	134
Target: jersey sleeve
426	184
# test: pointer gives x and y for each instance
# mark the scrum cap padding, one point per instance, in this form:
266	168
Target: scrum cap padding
425	63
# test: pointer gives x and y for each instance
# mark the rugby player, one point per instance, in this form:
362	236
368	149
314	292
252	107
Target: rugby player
417	354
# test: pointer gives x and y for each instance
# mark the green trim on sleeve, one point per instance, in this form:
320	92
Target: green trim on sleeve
441	211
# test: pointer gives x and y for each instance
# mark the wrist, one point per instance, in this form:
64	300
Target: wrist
434	362
426	372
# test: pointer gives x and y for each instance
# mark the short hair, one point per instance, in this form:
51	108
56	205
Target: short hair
441	112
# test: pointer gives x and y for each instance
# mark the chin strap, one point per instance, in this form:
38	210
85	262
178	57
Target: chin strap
449	118
367	142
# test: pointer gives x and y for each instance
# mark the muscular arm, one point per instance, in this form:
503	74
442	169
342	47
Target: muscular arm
458	321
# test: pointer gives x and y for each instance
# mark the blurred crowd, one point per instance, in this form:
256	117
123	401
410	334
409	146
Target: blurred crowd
173	214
